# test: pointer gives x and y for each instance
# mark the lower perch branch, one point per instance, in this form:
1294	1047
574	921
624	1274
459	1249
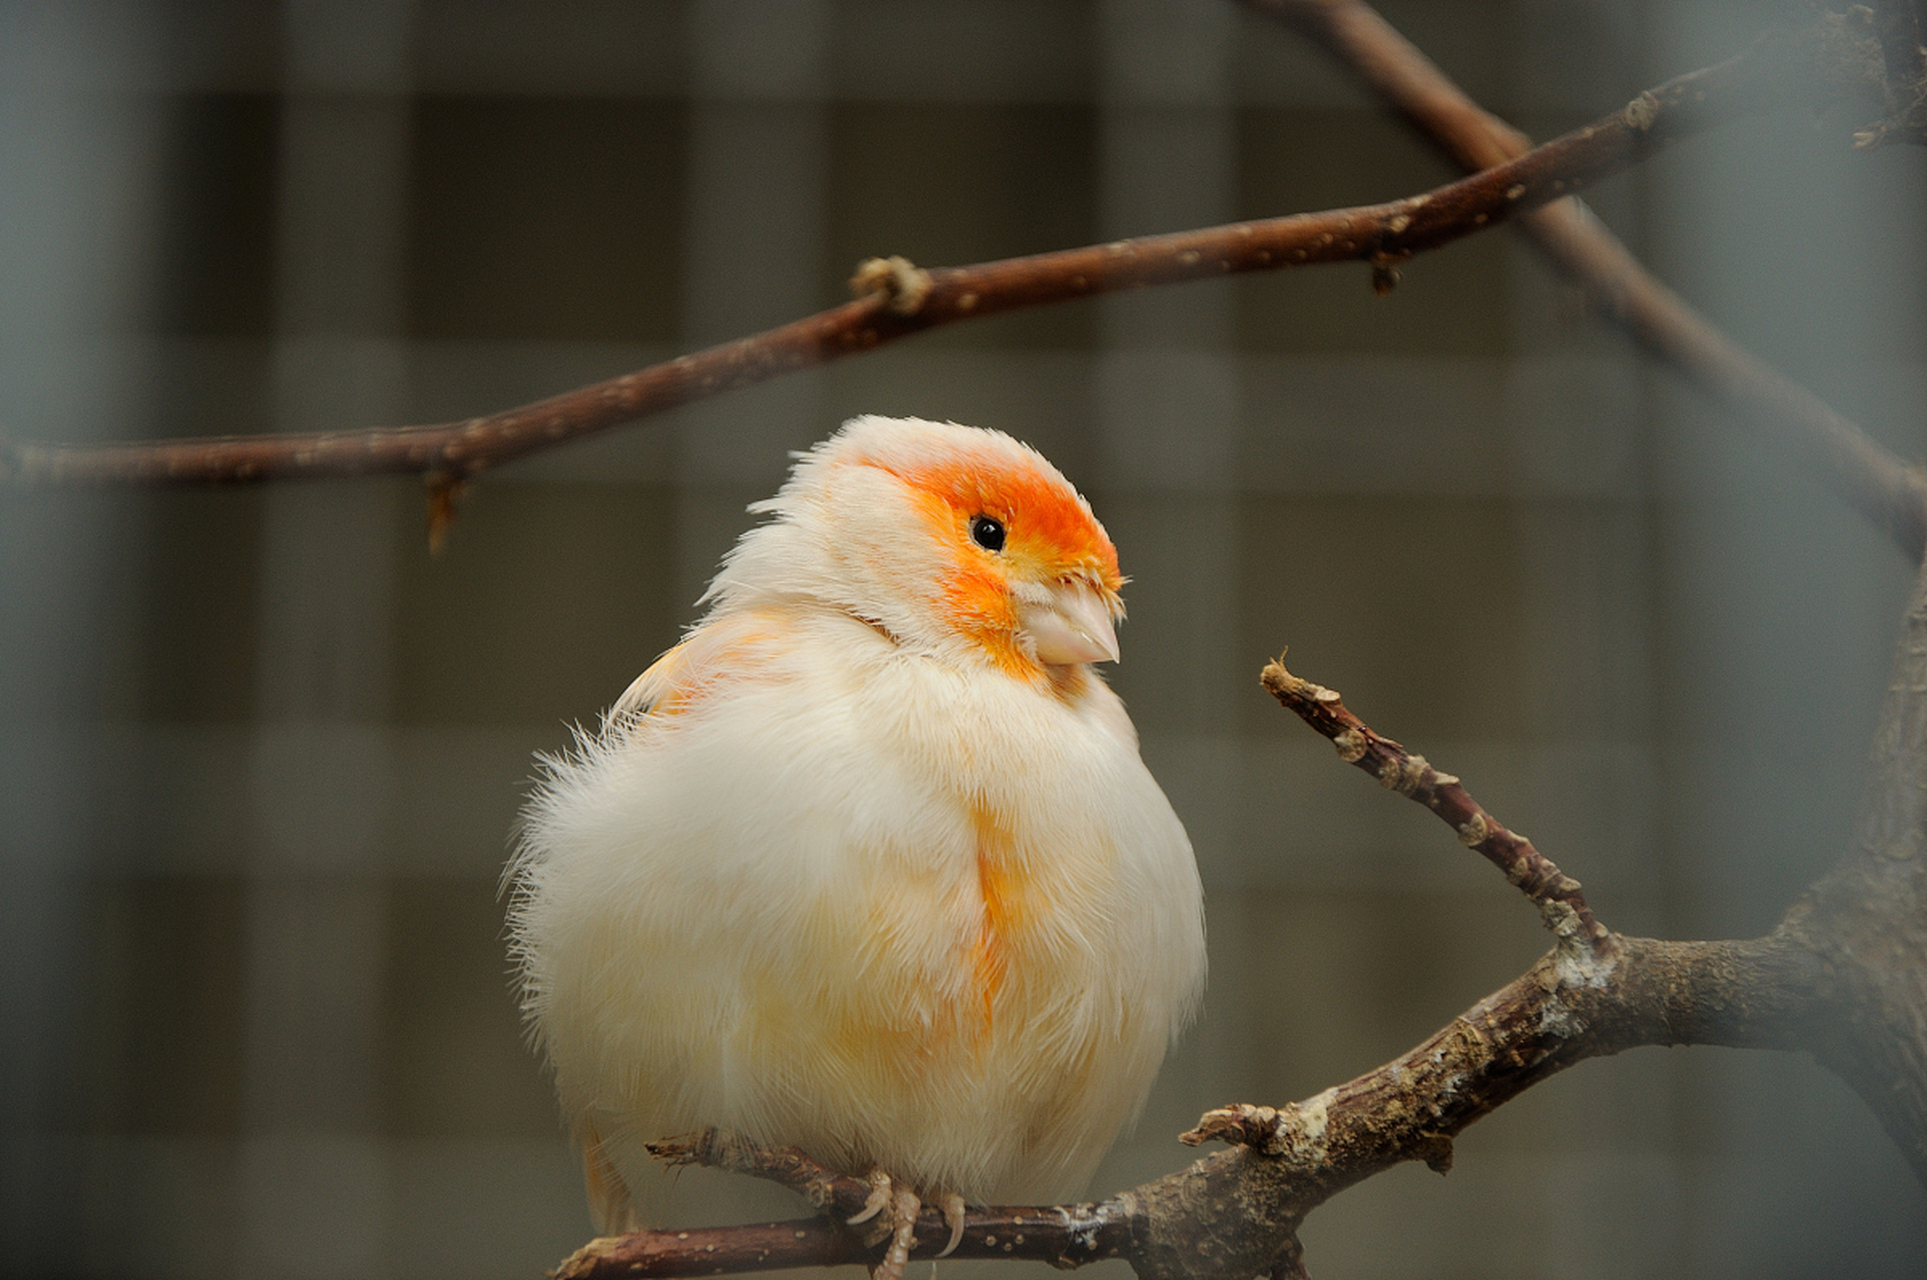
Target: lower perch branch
1867	918
1571	1006
1237	1212
715	1251
1065	1237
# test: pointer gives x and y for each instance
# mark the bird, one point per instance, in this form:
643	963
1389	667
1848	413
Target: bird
869	863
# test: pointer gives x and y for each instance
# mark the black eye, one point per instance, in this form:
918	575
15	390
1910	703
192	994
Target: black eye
987	532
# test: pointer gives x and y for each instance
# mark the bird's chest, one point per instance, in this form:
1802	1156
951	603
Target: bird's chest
979	735
922	864
966	958
989	895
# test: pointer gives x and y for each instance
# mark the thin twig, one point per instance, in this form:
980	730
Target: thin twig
1556	894
1889	492
826	1190
904	299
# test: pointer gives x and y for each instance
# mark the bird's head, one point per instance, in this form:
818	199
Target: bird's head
951	539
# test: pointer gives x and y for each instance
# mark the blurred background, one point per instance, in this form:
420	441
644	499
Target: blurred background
260	753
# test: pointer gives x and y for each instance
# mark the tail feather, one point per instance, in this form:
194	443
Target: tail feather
609	1200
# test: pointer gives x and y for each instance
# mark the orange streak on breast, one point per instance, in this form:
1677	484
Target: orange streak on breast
1002	886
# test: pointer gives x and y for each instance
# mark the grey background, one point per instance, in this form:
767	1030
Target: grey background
259	754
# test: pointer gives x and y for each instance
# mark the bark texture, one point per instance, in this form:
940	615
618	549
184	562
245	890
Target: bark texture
1866	921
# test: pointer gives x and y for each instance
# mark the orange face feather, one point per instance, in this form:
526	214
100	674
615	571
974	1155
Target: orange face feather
1051	538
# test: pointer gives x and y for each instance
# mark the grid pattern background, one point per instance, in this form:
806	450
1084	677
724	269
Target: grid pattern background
259	753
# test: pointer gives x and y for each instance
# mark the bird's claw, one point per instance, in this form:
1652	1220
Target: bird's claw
878	1200
953	1213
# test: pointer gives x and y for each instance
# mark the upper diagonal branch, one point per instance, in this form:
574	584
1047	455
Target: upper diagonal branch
1889	492
1802	63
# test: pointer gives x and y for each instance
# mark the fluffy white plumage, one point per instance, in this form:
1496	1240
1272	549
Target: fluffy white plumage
869	864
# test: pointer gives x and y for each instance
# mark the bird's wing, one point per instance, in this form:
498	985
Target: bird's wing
650	689
733	645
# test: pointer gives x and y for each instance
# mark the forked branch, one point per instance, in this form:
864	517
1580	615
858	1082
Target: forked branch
1889	492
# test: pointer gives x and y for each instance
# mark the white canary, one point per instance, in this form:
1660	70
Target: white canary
869	864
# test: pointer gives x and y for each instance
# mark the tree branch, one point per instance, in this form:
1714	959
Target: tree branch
1867	919
1556	894
1066	1236
1819	62
1889	492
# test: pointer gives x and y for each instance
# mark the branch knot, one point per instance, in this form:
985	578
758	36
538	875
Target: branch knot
903	284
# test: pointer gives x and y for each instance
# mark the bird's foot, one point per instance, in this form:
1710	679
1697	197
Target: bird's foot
903	1207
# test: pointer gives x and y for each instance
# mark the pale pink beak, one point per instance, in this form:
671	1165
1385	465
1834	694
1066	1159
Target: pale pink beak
1073	625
